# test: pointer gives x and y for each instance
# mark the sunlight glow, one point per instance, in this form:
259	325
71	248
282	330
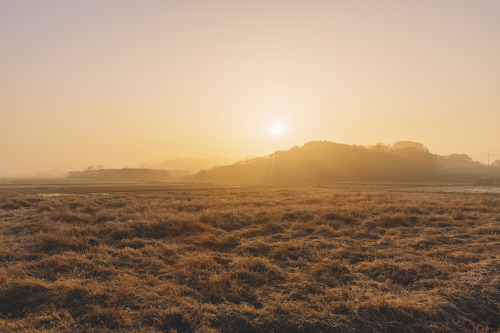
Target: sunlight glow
277	129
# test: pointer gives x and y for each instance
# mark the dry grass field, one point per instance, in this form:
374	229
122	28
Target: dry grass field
250	259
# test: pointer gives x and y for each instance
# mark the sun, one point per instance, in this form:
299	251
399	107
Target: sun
277	129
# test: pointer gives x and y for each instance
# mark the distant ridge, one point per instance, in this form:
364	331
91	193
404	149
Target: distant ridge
330	161
125	174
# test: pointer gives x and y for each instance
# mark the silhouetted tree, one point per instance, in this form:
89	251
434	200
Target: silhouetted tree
410	144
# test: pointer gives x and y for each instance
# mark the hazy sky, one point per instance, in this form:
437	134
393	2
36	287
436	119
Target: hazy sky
122	82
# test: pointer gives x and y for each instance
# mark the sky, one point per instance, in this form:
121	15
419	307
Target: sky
121	82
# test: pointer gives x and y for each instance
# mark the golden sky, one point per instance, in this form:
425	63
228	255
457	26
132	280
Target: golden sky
119	82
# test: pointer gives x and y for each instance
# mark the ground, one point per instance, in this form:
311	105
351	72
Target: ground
282	258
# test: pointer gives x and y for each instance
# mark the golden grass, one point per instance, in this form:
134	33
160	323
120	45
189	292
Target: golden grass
253	259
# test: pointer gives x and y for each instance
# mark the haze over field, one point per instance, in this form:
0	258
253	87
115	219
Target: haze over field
124	82
249	166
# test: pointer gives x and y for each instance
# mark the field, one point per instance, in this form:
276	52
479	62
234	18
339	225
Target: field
254	259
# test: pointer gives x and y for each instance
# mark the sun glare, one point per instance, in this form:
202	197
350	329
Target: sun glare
277	129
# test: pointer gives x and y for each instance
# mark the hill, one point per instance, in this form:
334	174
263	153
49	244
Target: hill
329	161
